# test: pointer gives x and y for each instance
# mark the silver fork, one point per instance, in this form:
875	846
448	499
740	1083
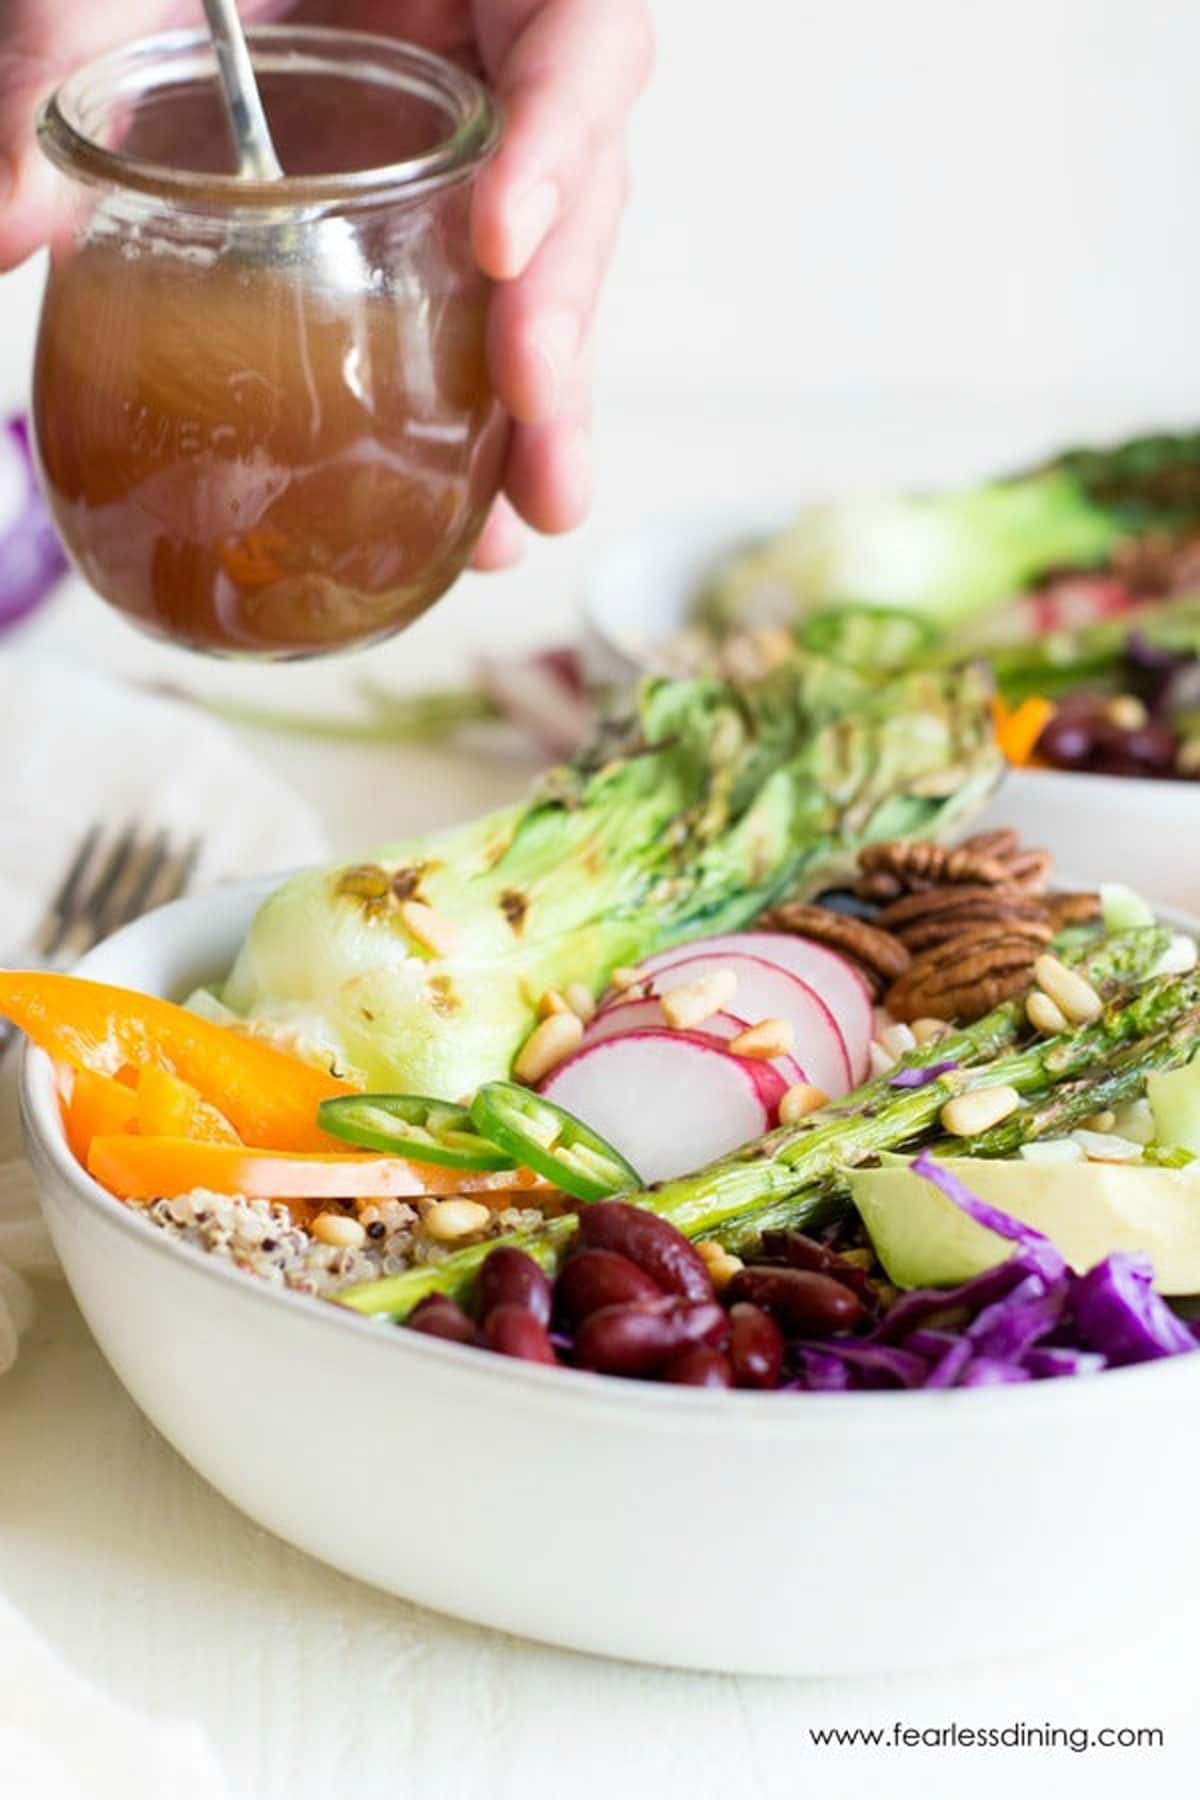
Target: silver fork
109	882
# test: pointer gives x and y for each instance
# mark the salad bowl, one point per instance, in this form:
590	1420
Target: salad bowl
766	1533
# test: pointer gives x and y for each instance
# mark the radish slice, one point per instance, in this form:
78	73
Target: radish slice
765	991
832	977
624	1016
669	1101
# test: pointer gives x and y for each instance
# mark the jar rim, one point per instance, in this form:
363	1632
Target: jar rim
137	68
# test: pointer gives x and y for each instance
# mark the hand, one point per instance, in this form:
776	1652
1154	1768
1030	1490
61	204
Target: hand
546	208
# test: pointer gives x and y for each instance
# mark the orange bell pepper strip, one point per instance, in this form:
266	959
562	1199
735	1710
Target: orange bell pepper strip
269	1097
142	1168
1018	728
169	1107
97	1106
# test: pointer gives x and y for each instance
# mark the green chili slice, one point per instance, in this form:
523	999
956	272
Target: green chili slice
428	1131
553	1143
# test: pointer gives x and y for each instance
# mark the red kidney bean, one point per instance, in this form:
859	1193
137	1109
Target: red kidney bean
797	1250
638	1340
799	1299
699	1367
597	1278
515	1331
510	1278
801	1252
440	1317
653	1244
755	1347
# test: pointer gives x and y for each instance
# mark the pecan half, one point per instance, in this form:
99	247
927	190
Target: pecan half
930	933
989	859
880	953
1031	870
1071	909
959	899
918	860
1001	844
966	978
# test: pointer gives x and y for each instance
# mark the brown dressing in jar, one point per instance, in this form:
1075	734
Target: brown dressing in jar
245	459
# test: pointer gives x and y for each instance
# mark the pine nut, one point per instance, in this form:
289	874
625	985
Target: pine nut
1101	1121
799	1101
695	1001
1043	1015
721	1264
552	1002
882	1061
898	1040
1179	957
622	979
930	1031
1106	1146
451	1219
579	999
340	1230
770	1037
546	1046
968	1114
1126	712
431	930
1069	991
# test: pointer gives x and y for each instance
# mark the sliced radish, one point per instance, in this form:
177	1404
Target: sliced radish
669	1101
624	1016
832	977
765	991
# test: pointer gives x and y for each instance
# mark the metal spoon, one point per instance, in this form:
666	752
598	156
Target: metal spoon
256	156
326	248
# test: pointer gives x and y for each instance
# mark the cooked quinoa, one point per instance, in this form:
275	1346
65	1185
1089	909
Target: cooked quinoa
261	1238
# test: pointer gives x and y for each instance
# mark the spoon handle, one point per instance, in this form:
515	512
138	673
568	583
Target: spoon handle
257	160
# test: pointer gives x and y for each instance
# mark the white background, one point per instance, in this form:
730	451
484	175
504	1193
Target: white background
870	240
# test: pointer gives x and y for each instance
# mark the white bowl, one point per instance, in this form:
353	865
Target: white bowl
759	1533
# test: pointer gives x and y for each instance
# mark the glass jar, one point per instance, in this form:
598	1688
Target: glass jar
262	409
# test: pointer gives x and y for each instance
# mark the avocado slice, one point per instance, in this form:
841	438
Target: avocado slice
1086	1209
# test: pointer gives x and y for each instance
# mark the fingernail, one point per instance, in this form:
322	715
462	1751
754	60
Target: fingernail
554	341
530	218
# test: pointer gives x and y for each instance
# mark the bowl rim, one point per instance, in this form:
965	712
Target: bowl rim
1002	1407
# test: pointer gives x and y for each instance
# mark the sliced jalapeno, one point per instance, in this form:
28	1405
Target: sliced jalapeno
554	1143
428	1131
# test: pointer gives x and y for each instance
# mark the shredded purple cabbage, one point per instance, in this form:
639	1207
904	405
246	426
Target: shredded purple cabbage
32	559
1030	1318
919	1078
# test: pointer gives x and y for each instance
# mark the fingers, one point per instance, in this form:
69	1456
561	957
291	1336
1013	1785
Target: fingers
502	539
537	325
549	478
567	82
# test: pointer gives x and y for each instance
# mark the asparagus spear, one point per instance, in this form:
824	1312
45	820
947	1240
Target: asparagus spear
793	1166
815	1161
1068	1105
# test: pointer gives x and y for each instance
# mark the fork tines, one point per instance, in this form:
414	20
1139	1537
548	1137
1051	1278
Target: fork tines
111	880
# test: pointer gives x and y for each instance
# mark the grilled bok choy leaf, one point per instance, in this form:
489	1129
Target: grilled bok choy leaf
421	969
951	556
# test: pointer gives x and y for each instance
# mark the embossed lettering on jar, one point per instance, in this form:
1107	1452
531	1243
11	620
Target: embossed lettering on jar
268	429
